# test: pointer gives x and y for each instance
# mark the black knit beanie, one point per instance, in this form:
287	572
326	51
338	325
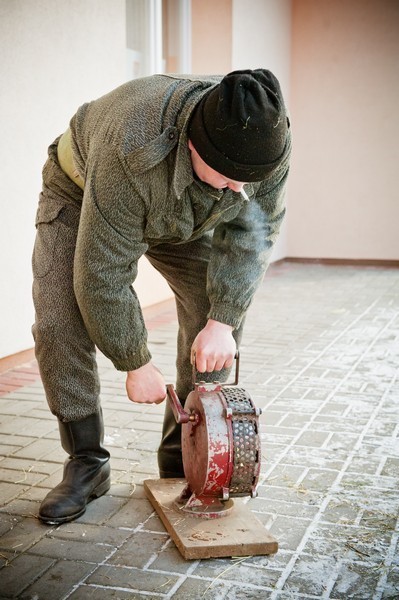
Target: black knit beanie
240	127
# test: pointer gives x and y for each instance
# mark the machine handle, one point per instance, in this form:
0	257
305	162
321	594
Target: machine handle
179	413
235	382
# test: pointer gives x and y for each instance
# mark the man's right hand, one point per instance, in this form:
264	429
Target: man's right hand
146	385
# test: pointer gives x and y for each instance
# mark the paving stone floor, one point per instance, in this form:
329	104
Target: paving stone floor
320	356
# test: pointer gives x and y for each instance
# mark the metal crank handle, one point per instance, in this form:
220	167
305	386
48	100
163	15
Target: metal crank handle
179	413
235	382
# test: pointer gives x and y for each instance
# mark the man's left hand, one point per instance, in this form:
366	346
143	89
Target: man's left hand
214	347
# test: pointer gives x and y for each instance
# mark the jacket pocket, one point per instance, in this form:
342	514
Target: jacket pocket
152	153
47	228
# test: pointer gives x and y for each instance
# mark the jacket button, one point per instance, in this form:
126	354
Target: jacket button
171	135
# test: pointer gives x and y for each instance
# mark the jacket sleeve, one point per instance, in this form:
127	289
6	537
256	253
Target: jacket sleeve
109	244
241	251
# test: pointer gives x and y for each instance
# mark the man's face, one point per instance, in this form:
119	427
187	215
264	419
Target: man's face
209	175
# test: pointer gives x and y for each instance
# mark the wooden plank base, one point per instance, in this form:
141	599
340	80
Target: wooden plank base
239	533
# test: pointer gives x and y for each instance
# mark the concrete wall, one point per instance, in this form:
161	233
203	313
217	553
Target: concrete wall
55	55
211	35
262	38
344	100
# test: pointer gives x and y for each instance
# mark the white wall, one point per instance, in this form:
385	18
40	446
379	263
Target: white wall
211	34
345	98
262	38
55	55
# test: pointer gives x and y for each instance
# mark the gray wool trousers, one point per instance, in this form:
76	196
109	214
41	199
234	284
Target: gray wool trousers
65	353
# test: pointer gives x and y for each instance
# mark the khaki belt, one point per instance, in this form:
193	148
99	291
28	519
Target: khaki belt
65	158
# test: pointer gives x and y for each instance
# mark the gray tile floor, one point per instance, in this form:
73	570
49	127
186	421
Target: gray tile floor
320	356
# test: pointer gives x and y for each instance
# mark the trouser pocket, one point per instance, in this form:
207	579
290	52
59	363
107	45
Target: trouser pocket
47	228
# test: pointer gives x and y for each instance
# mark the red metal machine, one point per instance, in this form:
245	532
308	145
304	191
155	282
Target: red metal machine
220	446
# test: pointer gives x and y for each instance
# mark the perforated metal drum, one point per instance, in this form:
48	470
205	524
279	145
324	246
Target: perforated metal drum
246	444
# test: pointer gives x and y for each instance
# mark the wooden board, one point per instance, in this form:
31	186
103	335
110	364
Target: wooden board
239	533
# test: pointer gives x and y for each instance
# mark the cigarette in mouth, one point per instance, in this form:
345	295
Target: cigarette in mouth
244	195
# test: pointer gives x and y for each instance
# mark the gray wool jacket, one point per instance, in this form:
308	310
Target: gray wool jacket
130	147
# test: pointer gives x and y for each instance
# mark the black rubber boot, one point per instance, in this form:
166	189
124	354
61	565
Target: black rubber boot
170	461
86	471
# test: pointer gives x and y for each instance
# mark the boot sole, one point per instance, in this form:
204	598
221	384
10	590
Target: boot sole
100	490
